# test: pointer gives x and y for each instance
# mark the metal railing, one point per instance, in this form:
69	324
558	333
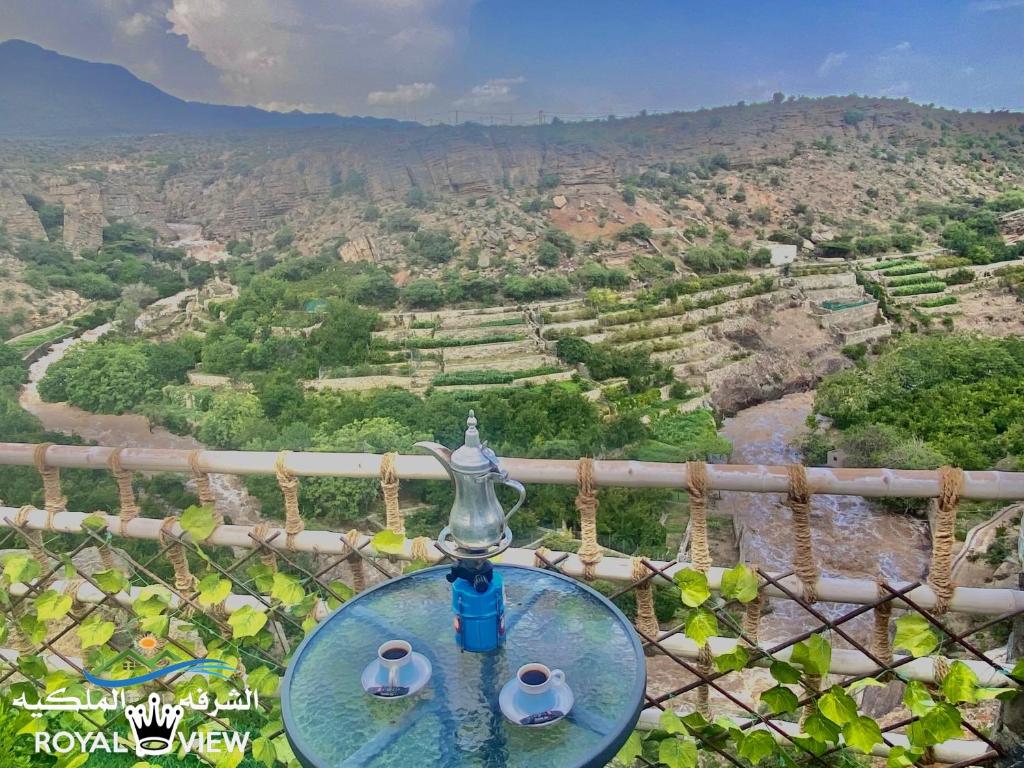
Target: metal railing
313	558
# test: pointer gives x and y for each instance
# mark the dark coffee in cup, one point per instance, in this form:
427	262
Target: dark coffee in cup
534	677
393	654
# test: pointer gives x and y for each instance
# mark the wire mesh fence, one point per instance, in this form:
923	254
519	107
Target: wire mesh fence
900	676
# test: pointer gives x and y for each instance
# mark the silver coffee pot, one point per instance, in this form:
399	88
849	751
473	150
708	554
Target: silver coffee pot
478	525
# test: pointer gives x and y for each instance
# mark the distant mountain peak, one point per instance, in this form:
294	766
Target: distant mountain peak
45	93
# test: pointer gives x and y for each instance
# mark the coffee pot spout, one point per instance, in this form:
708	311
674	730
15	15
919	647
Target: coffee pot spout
439	452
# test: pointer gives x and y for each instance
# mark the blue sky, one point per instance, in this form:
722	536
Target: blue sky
428	58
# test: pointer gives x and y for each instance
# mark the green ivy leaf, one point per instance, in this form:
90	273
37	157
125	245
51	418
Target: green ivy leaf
263	751
678	753
287	589
21	568
702	625
821	728
779	699
960	684
756	746
838	706
914	633
94	522
814	655
246	621
343	591
388	542
95	631
111	580
213	590
151	600
263	681
157	625
693	586
739	583
867	682
939	724
263	576
631	750
671	723
733	660
862	734
198	522
917	698
784	673
1003	694
32	628
32	666
808	743
52	605
34	725
903	757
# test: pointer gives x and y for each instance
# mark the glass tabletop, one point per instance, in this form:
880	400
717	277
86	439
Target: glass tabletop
456	721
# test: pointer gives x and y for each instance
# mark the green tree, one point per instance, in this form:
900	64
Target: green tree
341	500
548	255
434	245
105	377
231	417
344	336
12	370
423	293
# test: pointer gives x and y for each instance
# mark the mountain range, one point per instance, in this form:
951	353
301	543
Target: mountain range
44	93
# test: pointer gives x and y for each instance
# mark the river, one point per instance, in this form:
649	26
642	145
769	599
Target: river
127	430
851	536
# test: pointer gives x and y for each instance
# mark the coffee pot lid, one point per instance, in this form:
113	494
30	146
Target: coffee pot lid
473	456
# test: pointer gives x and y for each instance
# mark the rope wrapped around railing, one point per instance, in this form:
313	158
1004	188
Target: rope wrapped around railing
940	572
389	489
289	485
881	644
128	508
54	500
590	551
355	560
751	622
203	489
184	581
799	501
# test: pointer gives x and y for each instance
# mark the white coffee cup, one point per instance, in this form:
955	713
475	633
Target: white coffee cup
537	678
393	655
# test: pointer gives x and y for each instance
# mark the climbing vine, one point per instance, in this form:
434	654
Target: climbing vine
829	720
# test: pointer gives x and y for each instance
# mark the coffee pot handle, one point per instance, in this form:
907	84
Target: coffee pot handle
522	494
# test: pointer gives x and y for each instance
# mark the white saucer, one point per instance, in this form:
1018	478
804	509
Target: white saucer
411	678
515	705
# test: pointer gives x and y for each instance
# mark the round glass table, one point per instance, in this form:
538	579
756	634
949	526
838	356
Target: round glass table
455	720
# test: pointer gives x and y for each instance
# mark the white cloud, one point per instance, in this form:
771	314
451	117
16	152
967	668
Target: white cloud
831	61
329	52
496	91
904	46
406	93
135	25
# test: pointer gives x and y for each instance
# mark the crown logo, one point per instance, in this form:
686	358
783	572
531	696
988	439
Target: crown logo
153	724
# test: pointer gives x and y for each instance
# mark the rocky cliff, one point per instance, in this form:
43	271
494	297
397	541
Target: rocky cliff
239	186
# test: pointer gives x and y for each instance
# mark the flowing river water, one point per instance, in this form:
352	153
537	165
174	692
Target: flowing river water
851	536
127	430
